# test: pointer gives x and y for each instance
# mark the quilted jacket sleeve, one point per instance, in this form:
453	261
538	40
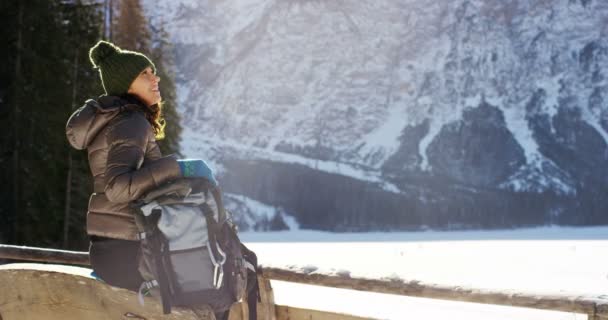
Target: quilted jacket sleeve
128	174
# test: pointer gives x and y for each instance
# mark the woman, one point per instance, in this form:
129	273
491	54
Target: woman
119	131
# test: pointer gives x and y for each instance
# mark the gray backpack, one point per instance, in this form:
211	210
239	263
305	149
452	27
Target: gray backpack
190	250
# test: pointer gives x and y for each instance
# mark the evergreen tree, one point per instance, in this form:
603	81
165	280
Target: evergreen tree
163	52
129	28
133	31
84	30
43	76
277	223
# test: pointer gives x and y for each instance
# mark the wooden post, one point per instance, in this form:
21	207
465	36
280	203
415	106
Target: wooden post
244	310
239	311
266	309
600	312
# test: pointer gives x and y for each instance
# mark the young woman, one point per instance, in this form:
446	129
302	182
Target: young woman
119	131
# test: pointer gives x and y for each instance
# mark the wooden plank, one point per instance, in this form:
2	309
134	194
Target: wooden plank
567	303
44	255
595	307
50	292
293	313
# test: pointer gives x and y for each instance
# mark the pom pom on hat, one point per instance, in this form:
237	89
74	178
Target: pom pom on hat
117	67
101	51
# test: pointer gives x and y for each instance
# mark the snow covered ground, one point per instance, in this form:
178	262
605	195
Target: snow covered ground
541	260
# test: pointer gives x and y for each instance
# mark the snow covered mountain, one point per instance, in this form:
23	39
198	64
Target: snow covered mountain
361	115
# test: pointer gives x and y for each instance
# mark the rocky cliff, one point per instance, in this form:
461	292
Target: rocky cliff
359	115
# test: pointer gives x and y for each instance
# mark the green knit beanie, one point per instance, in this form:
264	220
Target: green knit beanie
117	67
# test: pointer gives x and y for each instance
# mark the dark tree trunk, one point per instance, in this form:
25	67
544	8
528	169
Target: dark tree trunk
16	132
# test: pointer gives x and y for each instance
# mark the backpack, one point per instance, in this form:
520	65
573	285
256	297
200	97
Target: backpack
190	250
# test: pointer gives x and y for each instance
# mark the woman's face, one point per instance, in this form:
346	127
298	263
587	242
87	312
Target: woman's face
145	87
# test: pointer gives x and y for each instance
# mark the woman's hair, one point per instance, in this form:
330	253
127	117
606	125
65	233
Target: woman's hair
153	114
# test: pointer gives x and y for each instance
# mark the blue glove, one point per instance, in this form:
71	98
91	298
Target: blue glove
196	168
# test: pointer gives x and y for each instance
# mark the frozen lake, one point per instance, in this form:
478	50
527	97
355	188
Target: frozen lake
540	260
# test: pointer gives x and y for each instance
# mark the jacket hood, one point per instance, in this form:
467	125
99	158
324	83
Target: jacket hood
86	122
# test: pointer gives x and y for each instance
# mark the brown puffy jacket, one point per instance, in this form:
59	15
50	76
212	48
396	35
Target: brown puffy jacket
124	159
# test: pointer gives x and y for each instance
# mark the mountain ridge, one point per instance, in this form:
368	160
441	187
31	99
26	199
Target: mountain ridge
503	101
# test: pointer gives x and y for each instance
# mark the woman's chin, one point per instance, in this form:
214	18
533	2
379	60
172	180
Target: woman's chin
156	99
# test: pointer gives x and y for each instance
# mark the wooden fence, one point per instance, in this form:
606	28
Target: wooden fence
596	308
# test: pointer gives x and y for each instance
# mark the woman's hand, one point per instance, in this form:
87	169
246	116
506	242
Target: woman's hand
196	168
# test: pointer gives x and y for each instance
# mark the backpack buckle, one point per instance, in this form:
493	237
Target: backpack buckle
218	270
144	288
218	276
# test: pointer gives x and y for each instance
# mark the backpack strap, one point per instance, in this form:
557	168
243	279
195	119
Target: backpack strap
251	260
159	251
253	287
218	257
217	196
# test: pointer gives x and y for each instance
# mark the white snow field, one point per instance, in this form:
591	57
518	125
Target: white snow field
541	260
